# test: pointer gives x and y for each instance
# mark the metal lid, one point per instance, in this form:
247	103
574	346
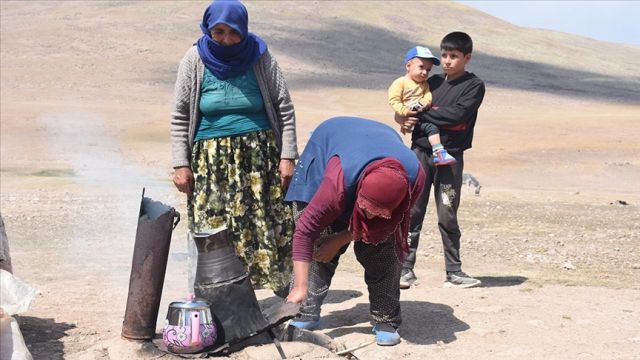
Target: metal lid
191	303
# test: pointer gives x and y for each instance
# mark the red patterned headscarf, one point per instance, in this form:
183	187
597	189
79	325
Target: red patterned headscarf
384	191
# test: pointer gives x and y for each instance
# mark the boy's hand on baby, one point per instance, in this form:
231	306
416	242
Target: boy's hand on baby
409	124
399	119
406	123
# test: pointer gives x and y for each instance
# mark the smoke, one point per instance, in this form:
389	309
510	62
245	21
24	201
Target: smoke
102	204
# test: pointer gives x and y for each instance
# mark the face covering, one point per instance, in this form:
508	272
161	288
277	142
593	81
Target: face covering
228	61
383	191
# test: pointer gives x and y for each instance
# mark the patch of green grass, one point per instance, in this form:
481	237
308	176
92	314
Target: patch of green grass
54	173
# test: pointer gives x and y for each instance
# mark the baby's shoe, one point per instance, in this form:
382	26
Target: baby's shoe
441	157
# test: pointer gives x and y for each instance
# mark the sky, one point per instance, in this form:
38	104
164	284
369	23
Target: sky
615	21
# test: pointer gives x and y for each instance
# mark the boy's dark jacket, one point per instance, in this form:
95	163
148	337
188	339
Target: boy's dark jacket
454	111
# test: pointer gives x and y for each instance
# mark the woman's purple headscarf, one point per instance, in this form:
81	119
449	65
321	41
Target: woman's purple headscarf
229	61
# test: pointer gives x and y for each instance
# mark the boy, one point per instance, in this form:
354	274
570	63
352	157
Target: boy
410	95
457	95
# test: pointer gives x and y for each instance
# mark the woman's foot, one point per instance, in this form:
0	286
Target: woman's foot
386	335
307	325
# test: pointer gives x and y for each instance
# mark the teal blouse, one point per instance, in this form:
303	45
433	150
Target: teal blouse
230	107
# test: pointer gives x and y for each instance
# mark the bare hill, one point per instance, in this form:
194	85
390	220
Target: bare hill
356	44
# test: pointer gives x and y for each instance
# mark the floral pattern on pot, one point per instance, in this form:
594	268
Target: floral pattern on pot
178	338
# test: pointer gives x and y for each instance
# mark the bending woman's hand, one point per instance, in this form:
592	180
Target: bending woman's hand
297	295
300	282
286	172
330	245
183	180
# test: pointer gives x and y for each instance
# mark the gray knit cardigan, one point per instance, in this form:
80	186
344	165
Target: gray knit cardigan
186	110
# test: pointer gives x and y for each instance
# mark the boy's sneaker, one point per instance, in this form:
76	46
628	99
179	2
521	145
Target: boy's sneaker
407	278
386	335
458	279
441	157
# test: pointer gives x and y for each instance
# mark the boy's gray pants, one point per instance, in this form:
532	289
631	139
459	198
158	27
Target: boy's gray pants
381	274
446	182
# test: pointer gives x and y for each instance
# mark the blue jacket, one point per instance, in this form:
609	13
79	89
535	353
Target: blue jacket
357	142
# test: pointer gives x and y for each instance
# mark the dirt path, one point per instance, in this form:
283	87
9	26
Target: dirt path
559	258
518	313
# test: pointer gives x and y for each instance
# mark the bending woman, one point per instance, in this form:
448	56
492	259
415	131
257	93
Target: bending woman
355	181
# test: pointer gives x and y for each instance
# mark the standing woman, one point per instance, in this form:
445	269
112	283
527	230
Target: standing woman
233	138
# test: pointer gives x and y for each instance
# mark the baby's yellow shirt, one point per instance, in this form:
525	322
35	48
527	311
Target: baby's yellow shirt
404	91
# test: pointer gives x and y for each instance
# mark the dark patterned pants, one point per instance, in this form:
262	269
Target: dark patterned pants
446	182
381	274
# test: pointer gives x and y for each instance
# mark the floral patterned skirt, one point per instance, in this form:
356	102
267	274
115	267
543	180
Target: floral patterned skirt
237	184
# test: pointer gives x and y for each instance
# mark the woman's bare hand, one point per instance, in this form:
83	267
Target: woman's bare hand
330	245
286	172
301	281
326	252
297	295
183	180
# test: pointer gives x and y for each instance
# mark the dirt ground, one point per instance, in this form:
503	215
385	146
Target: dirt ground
553	234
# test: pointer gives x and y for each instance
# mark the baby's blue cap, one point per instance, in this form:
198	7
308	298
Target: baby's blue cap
421	52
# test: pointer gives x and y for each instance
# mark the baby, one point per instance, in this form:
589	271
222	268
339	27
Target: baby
409	95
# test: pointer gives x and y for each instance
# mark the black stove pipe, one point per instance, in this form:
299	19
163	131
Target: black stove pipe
156	222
